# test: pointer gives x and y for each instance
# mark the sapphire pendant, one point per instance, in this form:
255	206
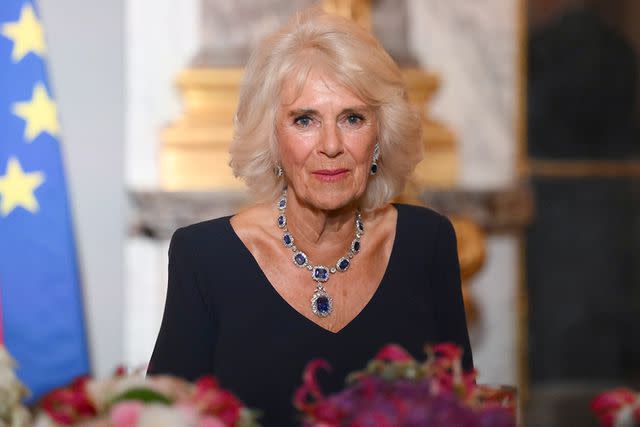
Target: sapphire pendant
321	302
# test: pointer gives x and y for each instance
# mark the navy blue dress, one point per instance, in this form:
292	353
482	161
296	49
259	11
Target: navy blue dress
223	317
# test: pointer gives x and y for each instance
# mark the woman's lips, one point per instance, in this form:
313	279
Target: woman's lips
330	175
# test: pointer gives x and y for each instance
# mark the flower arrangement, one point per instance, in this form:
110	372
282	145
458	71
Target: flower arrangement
136	401
619	407
12	413
396	390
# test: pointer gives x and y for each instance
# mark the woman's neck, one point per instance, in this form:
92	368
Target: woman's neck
318	231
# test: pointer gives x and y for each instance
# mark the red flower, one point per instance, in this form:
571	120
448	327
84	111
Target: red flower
69	405
448	351
120	371
607	404
211	400
393	353
309	387
206	383
327	412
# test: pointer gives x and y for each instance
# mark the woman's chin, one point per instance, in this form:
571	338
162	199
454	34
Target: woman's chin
331	200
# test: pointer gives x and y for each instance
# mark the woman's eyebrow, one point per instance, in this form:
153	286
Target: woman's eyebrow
302	111
310	111
357	109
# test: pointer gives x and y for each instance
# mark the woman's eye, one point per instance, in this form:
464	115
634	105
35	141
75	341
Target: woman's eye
302	121
354	119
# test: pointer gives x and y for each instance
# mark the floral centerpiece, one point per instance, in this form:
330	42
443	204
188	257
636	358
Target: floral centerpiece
12	391
128	401
619	407
397	390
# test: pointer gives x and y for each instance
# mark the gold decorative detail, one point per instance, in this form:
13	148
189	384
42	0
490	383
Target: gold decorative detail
195	151
358	10
471	246
439	168
471	253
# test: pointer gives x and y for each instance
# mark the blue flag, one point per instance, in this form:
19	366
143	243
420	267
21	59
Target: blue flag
42	314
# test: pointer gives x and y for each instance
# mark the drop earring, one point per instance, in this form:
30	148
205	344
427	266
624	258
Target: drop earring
278	170
374	163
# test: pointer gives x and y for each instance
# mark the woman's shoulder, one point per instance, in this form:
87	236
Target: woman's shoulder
220	238
211	234
423	221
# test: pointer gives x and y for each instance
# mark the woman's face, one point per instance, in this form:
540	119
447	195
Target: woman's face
326	137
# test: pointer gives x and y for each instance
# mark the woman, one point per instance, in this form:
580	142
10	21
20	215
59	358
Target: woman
323	265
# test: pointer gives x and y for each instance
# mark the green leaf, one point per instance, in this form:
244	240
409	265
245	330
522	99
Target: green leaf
144	395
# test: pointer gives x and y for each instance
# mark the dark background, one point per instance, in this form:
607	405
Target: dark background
583	248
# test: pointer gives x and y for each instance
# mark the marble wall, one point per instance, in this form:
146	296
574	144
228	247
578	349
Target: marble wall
229	29
161	37
473	46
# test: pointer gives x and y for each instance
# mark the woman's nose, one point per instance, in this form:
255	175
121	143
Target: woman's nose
331	143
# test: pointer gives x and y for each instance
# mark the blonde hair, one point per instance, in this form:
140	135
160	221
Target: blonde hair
316	40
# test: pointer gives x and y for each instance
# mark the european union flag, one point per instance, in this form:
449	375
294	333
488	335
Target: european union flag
42	313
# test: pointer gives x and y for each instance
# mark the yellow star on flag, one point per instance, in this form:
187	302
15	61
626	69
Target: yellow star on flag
17	187
26	33
41	114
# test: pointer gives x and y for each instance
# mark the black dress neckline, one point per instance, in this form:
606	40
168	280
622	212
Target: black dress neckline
221	320
377	295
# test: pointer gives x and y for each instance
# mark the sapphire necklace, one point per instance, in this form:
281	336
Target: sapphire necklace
321	302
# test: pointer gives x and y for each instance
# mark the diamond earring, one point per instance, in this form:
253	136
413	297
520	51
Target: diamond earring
278	170
374	163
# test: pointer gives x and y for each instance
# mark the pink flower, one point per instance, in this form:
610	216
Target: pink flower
209	421
126	414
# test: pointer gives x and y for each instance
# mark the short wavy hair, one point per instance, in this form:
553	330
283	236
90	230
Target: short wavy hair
341	49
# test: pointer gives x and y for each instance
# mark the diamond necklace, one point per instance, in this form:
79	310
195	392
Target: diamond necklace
321	302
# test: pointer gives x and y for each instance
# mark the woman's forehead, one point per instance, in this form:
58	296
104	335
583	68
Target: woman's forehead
316	88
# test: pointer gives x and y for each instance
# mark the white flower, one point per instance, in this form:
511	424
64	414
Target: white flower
624	417
11	393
